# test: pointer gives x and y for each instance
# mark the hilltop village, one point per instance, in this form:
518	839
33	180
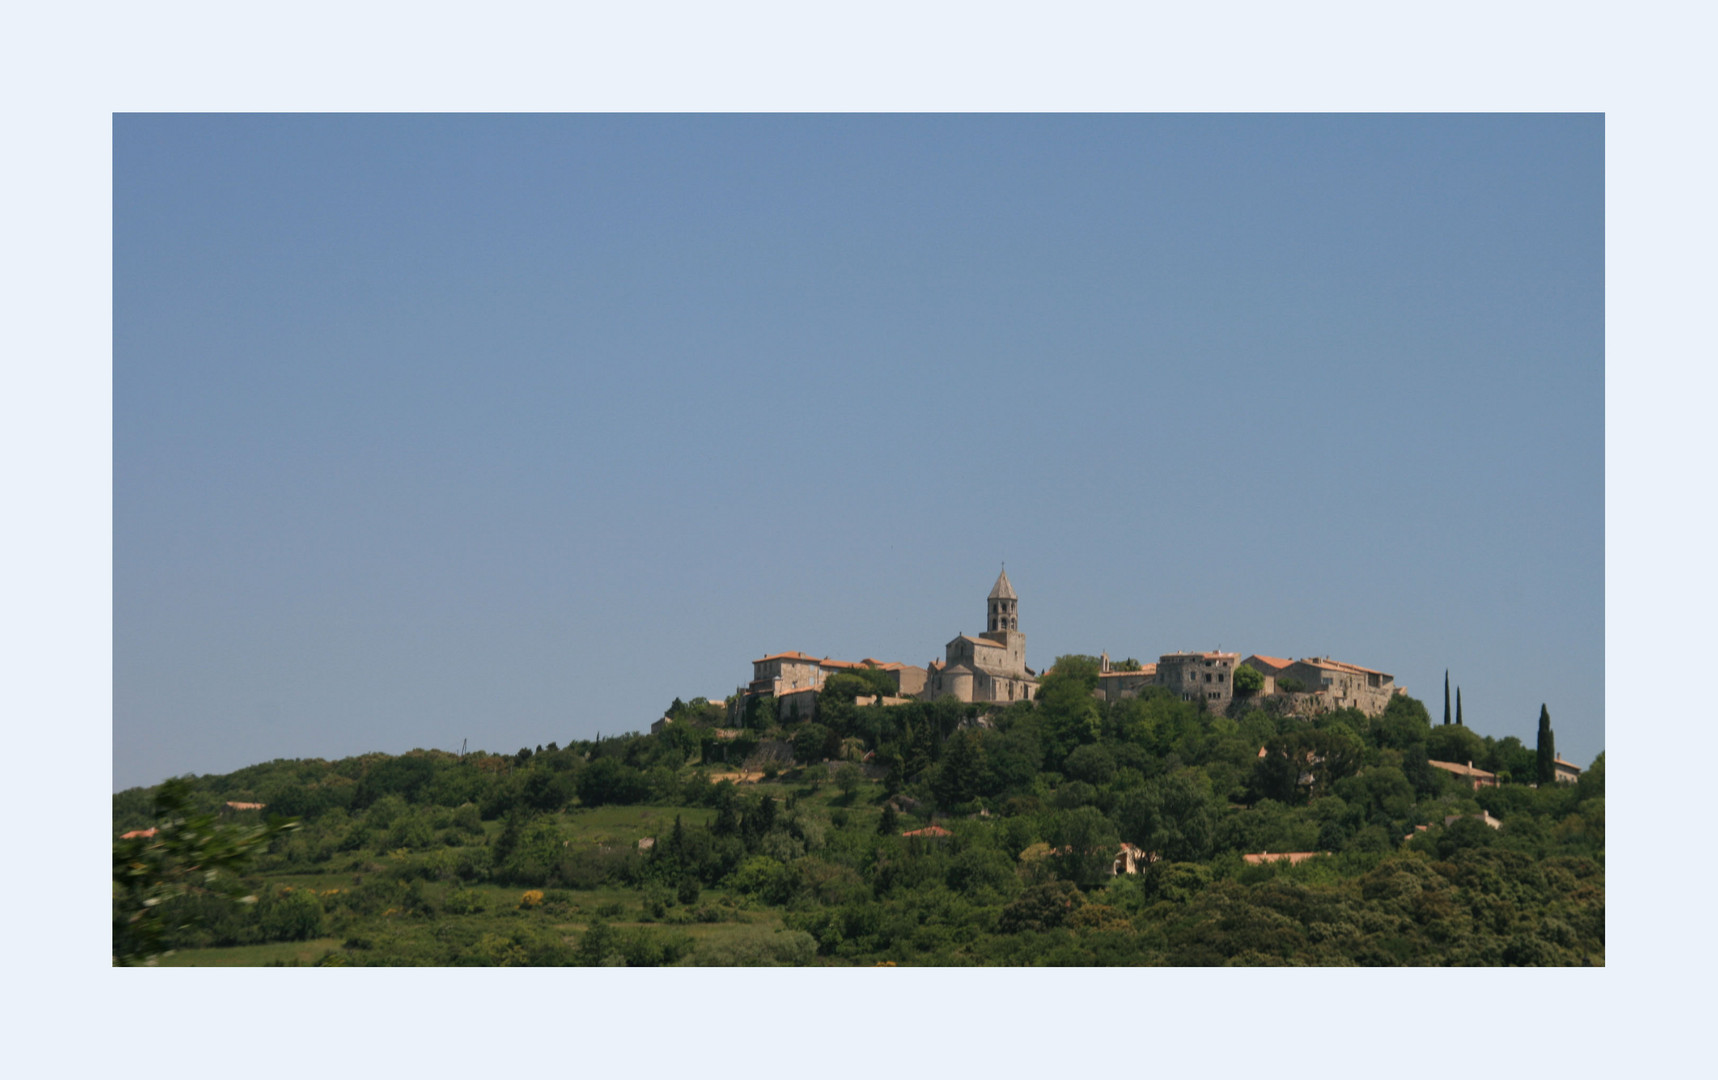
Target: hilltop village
991	667
1203	809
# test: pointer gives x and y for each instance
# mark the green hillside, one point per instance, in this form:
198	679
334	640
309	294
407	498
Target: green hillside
536	857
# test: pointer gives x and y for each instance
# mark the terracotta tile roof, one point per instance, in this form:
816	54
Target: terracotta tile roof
246	805
826	662
1293	857
1271	661
1462	770
1483	815
133	834
1338	665
929	830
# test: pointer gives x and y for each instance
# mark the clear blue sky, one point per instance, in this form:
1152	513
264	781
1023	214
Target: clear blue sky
515	428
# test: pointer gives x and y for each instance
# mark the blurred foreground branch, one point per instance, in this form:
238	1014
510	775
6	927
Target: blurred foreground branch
185	854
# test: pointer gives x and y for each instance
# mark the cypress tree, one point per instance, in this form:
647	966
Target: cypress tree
1547	748
890	822
1446	695
727	821
1458	708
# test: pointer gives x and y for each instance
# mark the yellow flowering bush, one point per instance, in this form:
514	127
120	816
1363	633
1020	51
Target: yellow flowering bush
531	899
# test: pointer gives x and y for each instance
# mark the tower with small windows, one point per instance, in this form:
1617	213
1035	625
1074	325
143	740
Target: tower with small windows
991	666
1004	613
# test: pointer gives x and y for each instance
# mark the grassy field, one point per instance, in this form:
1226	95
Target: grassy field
453	920
279	952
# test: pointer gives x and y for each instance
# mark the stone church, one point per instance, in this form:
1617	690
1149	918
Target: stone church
991	666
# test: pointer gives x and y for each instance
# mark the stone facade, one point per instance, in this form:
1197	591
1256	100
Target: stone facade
1327	684
1344	685
783	673
1199	676
1114	686
991	666
1270	667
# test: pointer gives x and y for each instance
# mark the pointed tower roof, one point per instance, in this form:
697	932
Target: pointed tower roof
1003	590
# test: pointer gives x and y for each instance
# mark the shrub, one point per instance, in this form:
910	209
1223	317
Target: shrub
1248	681
1042	907
463	902
607	780
289	915
688	891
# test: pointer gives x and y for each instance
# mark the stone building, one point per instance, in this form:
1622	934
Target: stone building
1344	685
782	673
991	666
1328	684
1270	667
1199	676
1116	685
794	679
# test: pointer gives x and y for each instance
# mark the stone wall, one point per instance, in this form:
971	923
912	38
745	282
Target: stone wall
1206	677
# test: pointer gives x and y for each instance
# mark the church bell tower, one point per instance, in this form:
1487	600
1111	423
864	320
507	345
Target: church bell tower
1003	606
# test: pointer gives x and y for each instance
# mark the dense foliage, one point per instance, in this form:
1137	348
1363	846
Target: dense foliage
1020	812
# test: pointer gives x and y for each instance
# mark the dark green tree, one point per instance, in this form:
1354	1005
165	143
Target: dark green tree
848	778
1547	770
812	743
1418	770
1042	907
1248	681
1404	722
1172	815
599	945
727	821
890	823
1302	765
1455	743
1083	843
688	891
1459	722
1446	695
961	770
1070	717
1093	763
608	780
547	791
